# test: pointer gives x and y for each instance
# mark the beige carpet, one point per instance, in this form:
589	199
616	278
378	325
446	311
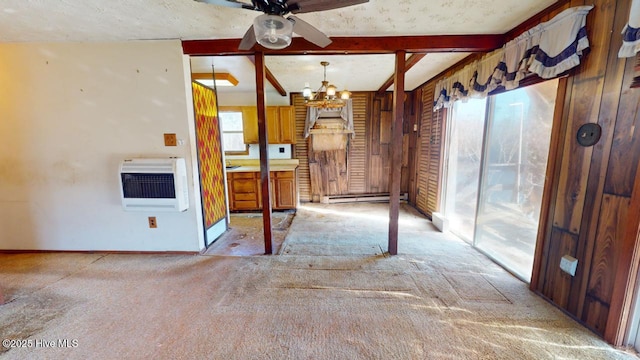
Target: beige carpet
245	236
438	299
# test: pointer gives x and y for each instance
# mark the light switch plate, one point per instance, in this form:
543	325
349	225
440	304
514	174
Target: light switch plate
569	265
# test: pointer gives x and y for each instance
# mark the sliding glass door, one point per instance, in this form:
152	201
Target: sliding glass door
465	154
509	179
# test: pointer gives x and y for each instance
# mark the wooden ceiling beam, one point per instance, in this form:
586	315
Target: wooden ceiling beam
354	45
270	77
409	63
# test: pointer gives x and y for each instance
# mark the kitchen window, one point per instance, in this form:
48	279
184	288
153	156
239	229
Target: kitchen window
232	132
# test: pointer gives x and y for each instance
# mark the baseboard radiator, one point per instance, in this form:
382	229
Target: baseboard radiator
379	197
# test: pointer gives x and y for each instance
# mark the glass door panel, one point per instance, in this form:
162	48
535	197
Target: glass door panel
516	150
463	167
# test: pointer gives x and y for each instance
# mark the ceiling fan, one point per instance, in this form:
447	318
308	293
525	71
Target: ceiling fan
273	30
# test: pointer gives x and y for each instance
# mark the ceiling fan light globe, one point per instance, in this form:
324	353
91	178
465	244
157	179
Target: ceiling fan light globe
273	31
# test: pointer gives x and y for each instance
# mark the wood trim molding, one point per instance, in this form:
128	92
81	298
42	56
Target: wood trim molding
355	45
554	161
411	61
270	78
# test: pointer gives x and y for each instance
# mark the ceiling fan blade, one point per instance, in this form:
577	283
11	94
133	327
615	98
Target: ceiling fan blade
307	6
248	40
309	32
228	3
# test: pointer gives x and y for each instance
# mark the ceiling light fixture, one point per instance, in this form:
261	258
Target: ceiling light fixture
272	31
222	79
325	96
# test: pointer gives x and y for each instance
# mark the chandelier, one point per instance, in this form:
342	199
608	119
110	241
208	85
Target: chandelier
325	96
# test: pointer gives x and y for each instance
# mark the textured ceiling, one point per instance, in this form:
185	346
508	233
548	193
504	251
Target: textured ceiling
118	20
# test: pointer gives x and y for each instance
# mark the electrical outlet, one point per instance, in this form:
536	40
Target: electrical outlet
152	222
170	140
569	265
281	150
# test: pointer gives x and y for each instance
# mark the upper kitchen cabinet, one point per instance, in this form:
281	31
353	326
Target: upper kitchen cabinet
280	124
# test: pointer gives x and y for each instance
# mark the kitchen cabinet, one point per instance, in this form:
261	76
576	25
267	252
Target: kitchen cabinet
245	191
281	125
250	124
284	194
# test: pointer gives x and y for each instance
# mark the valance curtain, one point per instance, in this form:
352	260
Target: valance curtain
547	50
631	32
345	112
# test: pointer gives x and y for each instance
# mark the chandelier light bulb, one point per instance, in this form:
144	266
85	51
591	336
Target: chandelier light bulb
306	92
331	90
273	37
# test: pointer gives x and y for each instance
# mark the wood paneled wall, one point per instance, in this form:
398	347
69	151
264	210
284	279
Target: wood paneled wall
589	189
364	168
592	186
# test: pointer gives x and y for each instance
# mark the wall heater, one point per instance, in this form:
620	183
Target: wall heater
154	185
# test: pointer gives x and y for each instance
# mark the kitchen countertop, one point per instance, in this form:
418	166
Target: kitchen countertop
254	165
257	168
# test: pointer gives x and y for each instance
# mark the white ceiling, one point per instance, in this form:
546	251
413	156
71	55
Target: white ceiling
121	20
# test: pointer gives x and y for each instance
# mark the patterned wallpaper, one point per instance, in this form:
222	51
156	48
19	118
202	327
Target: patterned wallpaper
209	155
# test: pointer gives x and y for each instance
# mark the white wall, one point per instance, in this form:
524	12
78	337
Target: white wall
69	113
249	98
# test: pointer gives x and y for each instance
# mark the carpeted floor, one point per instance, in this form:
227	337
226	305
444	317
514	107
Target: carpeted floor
331	294
245	236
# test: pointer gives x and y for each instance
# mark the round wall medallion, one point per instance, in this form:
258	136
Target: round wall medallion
589	134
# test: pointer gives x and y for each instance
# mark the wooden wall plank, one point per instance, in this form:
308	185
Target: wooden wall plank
610	226
557	283
404	184
626	146
623	300
374	135
386	118
576	160
595	315
608	101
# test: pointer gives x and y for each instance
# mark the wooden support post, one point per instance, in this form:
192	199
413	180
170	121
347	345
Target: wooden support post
264	154
396	152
